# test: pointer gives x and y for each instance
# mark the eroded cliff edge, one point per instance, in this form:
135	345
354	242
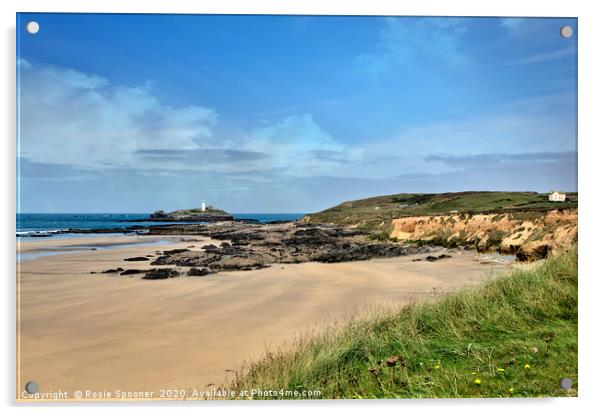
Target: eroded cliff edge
528	235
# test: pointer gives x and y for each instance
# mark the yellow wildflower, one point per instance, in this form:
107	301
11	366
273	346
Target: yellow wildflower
527	366
437	366
500	370
477	381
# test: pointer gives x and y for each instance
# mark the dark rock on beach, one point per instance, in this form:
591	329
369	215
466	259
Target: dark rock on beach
175	251
198	272
160	274
137	258
132	272
112	271
243	246
250	246
237	264
432	258
359	253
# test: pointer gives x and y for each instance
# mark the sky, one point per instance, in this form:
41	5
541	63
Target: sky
266	114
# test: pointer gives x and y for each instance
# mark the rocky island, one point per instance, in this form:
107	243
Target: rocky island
202	214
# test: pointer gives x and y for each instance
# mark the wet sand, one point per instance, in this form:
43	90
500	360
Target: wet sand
102	332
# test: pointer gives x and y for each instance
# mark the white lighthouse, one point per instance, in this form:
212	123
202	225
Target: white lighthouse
203	206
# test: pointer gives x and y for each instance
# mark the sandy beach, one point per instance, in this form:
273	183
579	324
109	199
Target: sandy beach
101	332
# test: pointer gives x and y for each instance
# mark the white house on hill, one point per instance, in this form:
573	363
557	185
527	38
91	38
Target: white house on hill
557	196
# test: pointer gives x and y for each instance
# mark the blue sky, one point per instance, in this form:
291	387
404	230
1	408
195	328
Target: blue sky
132	113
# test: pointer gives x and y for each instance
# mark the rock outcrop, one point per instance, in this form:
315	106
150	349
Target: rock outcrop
210	214
248	247
529	235
160	274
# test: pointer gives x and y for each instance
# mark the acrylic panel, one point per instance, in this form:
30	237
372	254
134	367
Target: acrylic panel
295	207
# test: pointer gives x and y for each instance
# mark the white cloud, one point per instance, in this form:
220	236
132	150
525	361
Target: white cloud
514	128
515	25
547	56
404	41
298	146
69	117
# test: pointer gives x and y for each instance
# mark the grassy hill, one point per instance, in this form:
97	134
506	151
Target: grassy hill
514	337
373	211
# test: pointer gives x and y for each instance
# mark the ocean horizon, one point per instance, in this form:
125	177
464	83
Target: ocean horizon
35	224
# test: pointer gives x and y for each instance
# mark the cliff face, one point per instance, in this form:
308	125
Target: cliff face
529	235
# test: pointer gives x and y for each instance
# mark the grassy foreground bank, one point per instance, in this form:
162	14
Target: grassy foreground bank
516	336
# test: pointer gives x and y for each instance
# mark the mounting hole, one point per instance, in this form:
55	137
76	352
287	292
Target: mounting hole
33	27
566	383
566	32
31	387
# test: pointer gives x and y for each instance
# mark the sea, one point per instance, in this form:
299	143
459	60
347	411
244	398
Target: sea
51	224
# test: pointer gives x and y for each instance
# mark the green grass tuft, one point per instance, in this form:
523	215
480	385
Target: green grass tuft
516	336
